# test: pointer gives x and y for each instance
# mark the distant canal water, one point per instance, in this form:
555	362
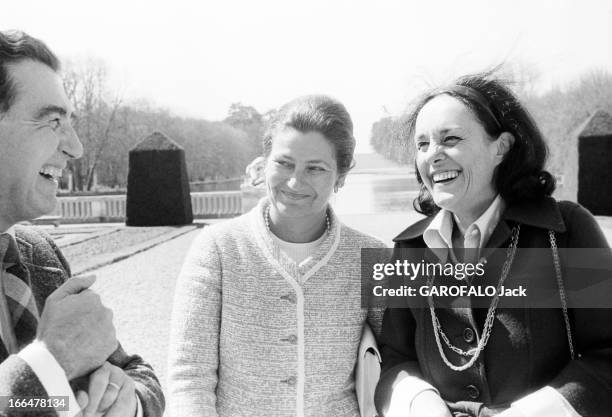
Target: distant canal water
376	192
379	202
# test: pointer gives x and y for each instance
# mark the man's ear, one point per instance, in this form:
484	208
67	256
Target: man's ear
505	141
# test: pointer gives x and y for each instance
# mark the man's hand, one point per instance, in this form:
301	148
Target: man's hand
111	393
76	328
429	404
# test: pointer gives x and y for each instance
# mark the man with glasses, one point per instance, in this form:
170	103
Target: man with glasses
54	332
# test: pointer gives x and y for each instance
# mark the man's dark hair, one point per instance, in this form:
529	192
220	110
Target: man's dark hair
17	46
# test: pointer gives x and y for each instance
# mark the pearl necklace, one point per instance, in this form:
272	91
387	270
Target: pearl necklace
267	221
488	326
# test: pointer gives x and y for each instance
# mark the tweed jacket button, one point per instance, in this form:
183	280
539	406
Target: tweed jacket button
468	335
472	392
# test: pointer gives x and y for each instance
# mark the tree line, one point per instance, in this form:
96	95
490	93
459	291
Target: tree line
110	127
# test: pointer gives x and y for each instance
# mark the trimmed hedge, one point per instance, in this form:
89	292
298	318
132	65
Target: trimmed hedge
595	165
158	184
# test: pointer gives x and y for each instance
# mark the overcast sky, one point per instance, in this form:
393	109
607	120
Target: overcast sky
197	57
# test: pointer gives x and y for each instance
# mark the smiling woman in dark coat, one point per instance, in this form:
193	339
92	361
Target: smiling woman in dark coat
480	163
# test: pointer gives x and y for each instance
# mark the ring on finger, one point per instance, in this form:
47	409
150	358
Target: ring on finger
116	386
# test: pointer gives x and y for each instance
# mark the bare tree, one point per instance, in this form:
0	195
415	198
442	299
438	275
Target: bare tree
109	128
86	85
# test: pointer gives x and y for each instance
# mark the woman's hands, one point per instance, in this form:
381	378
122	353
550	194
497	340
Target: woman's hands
111	393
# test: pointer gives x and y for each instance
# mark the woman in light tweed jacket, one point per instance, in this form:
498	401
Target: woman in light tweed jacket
267	313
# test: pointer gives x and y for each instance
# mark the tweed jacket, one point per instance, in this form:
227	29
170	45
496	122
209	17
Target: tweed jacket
47	270
254	334
528	348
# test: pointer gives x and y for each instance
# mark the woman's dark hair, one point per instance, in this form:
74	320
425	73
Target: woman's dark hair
317	113
521	175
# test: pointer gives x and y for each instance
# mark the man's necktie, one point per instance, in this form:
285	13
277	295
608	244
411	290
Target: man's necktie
19	298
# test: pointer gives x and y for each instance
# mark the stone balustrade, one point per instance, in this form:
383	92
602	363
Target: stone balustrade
111	208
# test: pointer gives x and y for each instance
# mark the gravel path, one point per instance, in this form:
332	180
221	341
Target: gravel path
140	290
122	237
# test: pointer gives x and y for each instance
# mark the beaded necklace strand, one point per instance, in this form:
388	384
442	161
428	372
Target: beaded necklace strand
267	220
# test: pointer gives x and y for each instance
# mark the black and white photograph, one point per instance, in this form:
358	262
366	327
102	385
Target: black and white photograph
324	208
